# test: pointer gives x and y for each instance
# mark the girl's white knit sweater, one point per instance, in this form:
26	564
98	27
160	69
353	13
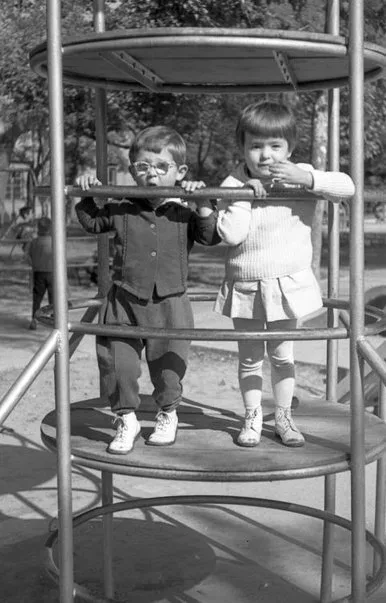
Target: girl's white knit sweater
271	239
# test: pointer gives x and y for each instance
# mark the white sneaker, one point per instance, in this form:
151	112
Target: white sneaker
286	429
128	430
251	432
165	430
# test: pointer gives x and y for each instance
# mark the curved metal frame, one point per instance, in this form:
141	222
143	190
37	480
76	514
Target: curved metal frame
372	585
275	40
360	349
45	316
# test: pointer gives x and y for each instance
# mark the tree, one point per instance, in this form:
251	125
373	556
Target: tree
23	94
207	122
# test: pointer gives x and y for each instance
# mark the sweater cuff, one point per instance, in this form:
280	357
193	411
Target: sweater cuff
318	178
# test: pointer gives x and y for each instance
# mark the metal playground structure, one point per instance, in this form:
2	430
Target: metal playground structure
339	437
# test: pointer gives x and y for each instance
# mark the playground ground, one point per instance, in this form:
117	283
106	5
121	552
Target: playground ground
174	554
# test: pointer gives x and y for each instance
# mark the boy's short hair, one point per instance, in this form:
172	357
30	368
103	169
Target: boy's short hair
157	138
269	120
24	211
44	226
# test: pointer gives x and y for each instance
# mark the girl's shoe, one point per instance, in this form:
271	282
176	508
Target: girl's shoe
286	429
251	432
165	430
128	430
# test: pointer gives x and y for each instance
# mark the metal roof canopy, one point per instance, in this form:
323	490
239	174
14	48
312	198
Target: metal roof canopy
206	60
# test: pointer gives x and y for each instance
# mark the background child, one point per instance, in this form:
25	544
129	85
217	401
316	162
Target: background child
39	254
153	239
269	282
24	228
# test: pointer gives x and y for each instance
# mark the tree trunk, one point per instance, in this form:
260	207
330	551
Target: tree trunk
4	164
319	160
8	137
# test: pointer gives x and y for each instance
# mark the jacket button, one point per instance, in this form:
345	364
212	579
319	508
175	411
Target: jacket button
152	226
153	253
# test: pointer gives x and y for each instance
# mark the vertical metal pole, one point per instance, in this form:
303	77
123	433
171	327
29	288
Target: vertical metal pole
103	283
328	540
12	183
332	315
101	154
358	544
333	215
62	381
380	492
107	499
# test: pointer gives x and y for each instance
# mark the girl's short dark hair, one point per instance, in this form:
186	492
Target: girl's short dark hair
157	138
267	119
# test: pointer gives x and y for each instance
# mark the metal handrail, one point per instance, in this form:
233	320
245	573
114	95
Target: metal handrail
276	193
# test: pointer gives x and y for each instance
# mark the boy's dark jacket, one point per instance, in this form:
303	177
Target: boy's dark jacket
152	245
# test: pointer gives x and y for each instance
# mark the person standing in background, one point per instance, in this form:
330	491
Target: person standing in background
39	256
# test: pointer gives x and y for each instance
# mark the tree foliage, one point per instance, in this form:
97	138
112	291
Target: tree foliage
207	122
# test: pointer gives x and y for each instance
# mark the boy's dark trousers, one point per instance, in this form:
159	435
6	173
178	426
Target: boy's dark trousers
42	282
119	359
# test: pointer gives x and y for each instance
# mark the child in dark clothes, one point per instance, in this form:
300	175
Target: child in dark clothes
153	239
39	255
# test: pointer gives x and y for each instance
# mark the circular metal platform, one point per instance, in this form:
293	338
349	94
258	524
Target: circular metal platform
205	60
206	448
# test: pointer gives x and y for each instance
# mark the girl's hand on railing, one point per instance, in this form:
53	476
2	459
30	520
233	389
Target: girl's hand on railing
257	186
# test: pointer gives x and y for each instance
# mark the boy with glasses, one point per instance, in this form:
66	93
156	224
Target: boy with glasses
153	238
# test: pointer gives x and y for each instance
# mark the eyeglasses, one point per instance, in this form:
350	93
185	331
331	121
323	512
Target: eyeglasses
161	168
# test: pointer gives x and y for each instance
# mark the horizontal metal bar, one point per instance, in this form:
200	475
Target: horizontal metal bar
143	192
336	303
199	89
225	499
28	376
127	332
372	357
302	42
76	338
85	237
45	315
26	268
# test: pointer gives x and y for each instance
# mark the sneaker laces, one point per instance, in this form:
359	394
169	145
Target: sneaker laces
250	416
163	420
120	426
286	421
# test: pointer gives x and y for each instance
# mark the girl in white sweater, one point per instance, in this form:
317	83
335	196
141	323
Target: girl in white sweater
269	283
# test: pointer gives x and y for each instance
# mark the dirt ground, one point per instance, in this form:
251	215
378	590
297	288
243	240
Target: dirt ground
28	503
28	472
